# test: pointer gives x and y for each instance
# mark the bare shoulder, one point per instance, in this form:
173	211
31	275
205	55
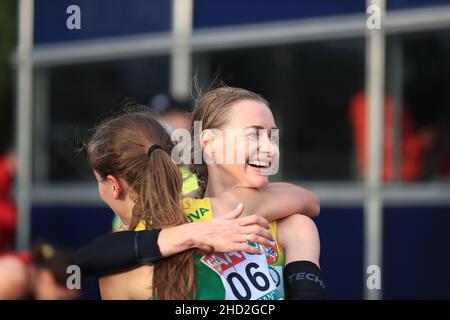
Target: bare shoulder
135	284
13	278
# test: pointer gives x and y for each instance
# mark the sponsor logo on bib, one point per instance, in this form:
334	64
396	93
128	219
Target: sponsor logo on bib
199	213
221	262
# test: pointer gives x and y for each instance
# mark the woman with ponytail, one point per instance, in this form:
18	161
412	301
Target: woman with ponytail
139	181
131	159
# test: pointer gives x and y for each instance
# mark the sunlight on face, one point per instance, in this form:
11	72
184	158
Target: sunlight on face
247	140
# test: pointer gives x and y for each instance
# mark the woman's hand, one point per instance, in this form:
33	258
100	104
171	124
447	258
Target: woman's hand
231	233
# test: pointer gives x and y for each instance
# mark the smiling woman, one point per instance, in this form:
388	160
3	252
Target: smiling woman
250	123
247	117
218	109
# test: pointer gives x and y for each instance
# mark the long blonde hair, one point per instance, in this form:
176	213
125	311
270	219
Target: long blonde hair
119	147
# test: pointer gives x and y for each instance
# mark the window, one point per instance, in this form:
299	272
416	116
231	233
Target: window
77	97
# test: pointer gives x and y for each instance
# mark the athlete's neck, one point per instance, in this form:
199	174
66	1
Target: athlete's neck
219	182
124	209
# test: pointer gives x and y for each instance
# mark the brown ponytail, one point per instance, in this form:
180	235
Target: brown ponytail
119	147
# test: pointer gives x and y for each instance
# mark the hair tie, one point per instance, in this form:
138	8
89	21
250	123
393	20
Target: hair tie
153	148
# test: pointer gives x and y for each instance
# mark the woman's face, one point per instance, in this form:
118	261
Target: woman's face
246	149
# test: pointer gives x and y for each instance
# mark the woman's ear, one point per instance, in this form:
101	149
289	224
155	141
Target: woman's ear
116	187
207	143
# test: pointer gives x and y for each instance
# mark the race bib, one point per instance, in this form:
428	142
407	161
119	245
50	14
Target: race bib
244	276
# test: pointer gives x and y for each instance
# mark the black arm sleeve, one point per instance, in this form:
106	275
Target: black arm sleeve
118	251
303	281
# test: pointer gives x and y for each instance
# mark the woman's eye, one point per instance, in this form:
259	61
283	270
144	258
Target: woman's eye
252	135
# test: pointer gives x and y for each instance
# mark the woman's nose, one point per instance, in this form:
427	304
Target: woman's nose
264	143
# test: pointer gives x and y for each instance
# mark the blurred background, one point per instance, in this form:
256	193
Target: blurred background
308	58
